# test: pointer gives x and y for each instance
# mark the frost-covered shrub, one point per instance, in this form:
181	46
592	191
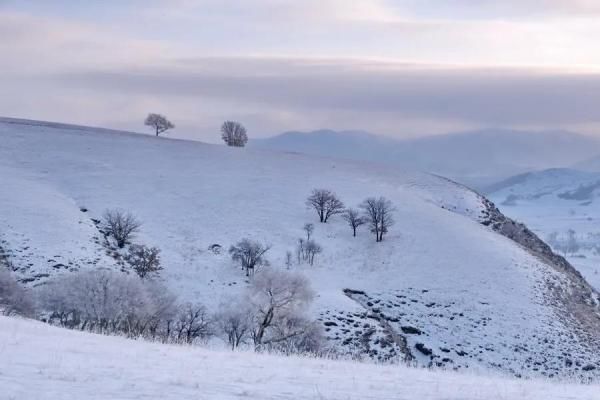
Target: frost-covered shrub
278	301
108	302
234	322
14	299
234	134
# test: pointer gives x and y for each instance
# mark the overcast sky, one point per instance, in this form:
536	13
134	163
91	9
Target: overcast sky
397	67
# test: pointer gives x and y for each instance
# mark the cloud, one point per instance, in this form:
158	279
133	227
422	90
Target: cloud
385	66
474	95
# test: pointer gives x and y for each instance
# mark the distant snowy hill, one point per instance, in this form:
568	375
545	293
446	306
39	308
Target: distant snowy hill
556	201
475	158
555	183
41	362
444	288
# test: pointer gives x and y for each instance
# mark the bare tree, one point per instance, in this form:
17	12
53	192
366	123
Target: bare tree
235	321
277	297
234	134
192	323
249	254
301	250
14	299
288	259
121	226
378	213
312	249
160	123
162	310
354	219
144	260
308	228
326	203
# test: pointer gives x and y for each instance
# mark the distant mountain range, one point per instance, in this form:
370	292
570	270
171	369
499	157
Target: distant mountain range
476	158
556	183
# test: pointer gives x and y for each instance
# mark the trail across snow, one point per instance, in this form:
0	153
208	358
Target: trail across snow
40	362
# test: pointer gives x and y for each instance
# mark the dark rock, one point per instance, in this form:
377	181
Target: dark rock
421	347
411	330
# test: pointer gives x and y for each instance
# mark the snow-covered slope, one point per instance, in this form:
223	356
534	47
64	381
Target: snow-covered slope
558	200
42	362
458	293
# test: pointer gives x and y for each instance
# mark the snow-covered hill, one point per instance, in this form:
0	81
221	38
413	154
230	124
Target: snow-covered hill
460	295
558	200
42	362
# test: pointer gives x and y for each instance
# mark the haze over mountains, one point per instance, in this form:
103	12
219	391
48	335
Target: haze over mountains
476	158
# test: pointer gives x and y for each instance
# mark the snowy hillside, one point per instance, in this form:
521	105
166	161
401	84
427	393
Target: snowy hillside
556	201
442	289
43	362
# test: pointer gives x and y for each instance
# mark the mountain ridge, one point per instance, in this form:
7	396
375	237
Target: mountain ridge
476	158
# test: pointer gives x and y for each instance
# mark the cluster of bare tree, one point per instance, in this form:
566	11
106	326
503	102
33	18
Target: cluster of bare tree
376	212
233	133
119	228
307	249
566	244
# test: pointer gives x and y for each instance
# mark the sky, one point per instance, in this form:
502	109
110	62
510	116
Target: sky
402	68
